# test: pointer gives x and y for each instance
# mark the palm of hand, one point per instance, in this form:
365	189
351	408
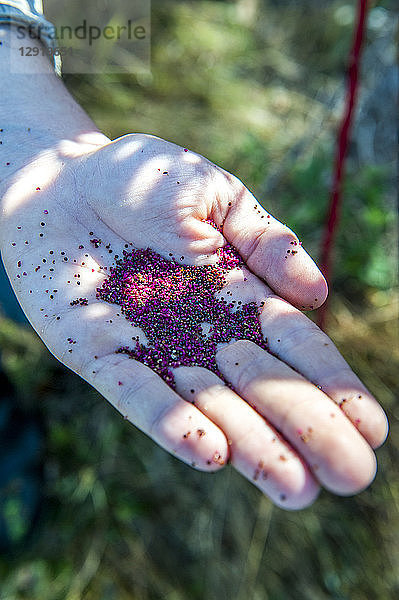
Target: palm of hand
278	429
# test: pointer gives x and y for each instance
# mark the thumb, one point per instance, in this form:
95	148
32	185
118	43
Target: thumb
270	249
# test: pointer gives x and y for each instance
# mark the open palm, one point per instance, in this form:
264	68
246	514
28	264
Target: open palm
298	416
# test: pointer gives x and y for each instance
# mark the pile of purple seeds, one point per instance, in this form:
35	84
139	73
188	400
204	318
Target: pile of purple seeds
170	302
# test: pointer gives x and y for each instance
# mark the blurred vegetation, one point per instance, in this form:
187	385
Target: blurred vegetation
257	88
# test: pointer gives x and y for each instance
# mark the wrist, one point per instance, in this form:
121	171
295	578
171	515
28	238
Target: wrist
28	17
12	60
37	113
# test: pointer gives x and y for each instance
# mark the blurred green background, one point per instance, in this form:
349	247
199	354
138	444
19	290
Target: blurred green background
256	86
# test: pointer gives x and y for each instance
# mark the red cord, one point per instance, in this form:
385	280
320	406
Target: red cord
341	151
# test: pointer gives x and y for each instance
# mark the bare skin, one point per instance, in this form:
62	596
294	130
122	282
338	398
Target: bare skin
299	417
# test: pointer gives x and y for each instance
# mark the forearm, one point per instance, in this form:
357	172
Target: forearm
36	109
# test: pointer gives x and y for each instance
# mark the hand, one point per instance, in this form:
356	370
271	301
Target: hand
299	417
